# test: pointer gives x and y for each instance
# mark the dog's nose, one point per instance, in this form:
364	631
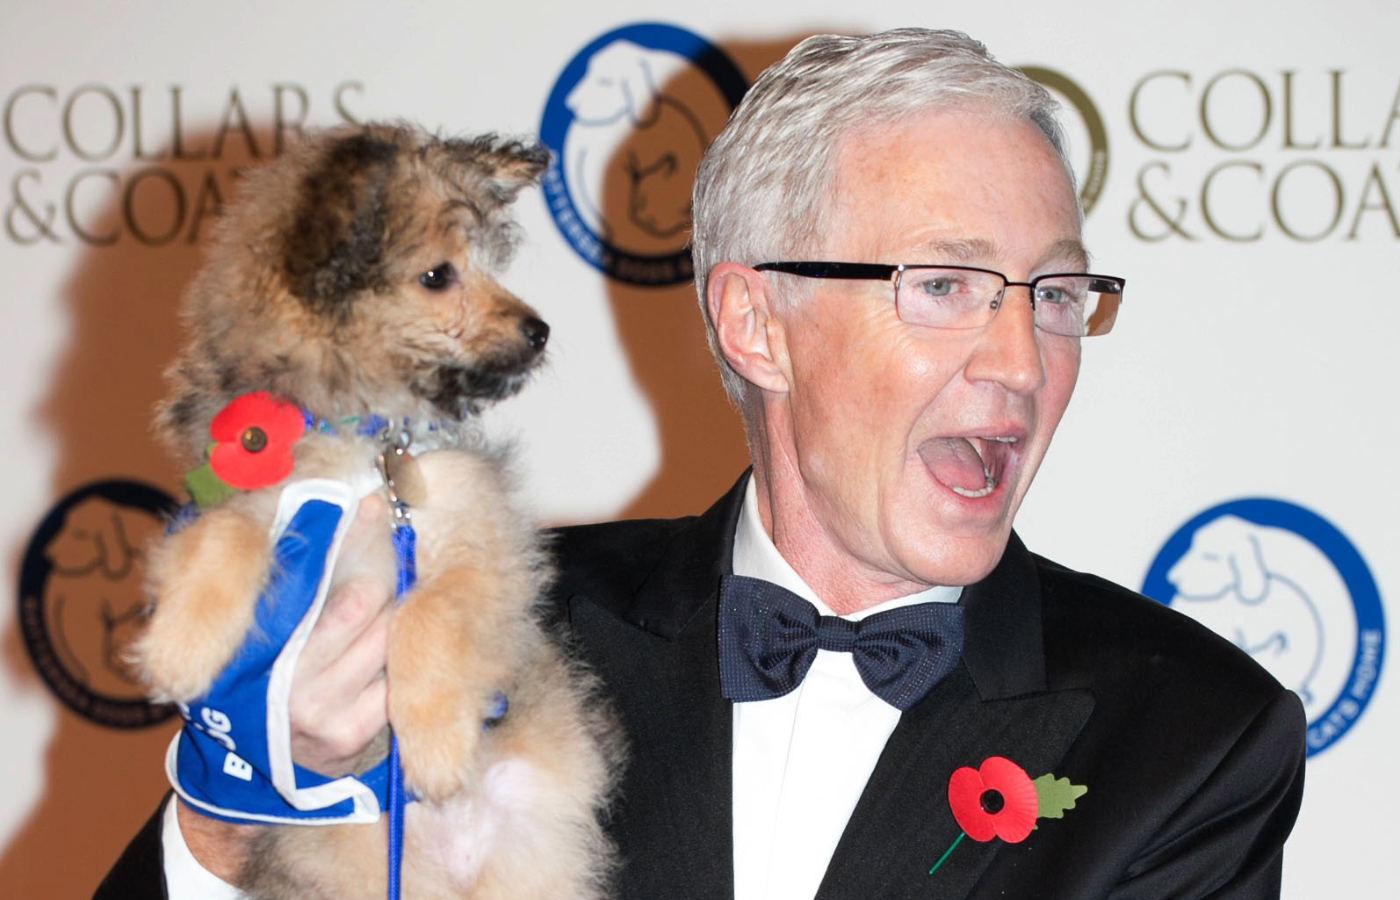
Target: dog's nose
536	333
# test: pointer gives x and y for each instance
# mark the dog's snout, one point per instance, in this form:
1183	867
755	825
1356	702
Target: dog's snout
536	332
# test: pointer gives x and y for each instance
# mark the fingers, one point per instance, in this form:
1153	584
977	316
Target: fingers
362	595
338	699
366	535
353	610
361	662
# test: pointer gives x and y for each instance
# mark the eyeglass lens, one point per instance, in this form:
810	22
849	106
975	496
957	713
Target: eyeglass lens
1073	305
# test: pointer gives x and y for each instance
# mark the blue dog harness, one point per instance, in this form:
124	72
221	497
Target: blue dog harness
232	760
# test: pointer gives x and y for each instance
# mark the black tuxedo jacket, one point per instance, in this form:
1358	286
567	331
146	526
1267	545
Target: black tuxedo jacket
1191	753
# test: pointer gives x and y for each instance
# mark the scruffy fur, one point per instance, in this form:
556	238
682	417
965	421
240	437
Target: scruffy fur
352	277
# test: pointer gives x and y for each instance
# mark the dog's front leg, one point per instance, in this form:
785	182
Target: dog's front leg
452	648
205	580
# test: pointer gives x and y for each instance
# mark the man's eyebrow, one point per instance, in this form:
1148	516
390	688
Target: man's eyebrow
1072	250
1069	251
962	250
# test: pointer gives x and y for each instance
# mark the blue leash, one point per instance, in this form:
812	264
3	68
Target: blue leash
405	545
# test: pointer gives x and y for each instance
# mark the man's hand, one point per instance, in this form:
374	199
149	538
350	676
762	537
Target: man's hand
338	702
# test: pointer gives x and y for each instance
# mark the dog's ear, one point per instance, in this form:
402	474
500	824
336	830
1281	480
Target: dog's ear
640	90
507	165
93	537
1247	564
335	246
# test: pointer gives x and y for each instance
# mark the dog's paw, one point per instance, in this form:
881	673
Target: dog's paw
181	653
437	745
432	707
444	677
205	580
168	673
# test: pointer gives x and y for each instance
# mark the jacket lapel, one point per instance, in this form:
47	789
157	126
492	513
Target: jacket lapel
995	703
654	643
655	647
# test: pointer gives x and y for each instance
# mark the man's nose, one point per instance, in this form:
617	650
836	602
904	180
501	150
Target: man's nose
1008	352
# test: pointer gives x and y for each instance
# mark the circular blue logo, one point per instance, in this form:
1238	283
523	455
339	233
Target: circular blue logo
627	122
81	600
1290	590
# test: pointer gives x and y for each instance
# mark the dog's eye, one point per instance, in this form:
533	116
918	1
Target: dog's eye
438	277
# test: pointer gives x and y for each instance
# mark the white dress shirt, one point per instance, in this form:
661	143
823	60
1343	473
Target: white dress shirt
802	760
185	878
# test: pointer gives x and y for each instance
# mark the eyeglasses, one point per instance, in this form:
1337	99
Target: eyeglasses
963	297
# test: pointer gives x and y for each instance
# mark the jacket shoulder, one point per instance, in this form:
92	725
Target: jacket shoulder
1185	727
140	871
1094	626
1168	691
609	558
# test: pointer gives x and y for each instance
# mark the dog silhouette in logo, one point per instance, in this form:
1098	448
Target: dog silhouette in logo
93	600
632	146
1224	582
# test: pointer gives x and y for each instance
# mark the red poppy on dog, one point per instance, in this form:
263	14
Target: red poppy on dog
996	800
254	434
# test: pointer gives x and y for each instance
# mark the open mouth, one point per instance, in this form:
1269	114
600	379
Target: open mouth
970	467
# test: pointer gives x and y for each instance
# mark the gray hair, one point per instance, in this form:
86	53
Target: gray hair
761	188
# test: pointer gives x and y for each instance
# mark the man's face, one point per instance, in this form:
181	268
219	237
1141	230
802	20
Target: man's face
878	449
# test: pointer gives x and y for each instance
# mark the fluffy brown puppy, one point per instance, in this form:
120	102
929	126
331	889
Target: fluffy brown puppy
352	277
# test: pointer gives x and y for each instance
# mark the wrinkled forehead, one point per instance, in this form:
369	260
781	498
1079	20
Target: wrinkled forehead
964	186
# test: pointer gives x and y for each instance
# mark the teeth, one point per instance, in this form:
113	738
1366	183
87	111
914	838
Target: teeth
991	484
973	495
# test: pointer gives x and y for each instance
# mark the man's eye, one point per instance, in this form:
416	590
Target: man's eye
1049	293
938	287
438	277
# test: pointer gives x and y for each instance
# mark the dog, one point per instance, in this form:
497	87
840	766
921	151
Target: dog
630	139
1223	582
352	277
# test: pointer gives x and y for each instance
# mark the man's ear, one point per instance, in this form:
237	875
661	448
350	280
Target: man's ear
749	335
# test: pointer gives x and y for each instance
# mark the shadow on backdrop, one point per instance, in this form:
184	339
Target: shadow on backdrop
121	298
645	207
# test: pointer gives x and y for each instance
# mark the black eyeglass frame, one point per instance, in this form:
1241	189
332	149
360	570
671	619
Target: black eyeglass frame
892	273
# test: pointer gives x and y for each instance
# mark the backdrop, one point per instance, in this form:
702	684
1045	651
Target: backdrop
1239	163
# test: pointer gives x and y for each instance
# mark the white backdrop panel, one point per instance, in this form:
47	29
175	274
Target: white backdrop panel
1250	193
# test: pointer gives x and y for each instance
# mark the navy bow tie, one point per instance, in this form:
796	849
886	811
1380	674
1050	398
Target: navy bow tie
768	637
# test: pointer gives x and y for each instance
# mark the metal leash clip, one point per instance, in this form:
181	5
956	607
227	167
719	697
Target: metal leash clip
394	467
392	457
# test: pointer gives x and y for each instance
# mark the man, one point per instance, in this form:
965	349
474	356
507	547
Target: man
884	230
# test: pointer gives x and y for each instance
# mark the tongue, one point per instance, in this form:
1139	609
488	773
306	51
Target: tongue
954	461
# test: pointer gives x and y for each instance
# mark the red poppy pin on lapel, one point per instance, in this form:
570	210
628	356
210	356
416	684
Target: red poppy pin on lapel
252	447
998	799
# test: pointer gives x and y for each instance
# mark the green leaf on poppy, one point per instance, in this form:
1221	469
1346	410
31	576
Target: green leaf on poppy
207	489
1056	795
